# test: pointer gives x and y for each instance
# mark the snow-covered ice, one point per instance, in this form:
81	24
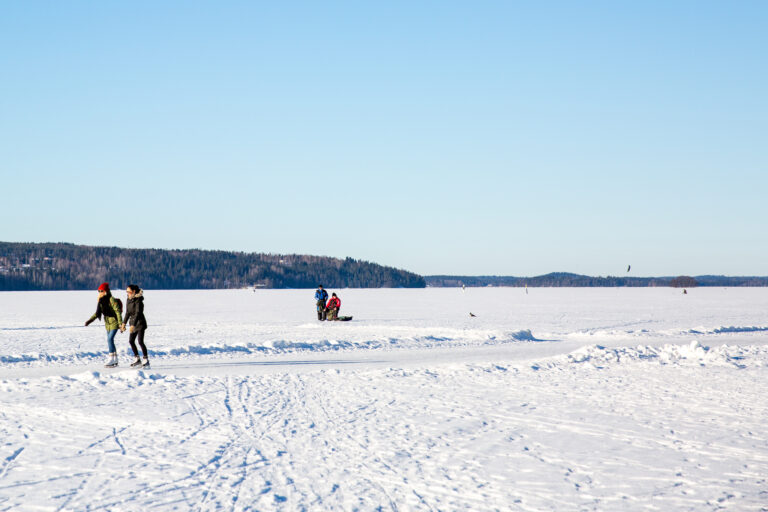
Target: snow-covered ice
559	399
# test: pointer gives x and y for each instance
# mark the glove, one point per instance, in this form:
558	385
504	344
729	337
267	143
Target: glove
88	322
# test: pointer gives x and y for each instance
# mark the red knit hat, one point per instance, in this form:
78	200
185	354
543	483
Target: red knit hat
104	287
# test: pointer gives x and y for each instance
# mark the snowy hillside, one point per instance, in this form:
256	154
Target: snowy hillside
559	399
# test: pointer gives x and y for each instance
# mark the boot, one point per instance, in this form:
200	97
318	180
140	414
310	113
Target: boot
136	363
145	364
112	361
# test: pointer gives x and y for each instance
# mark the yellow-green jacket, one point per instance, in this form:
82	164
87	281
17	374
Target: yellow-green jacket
113	317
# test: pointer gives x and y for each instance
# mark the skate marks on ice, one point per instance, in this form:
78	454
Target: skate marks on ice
628	434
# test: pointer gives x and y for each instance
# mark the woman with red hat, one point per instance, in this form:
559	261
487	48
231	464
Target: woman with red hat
111	309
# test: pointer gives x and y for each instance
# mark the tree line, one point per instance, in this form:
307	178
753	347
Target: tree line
61	266
564	279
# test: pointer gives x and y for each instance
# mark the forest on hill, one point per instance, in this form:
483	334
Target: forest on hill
61	266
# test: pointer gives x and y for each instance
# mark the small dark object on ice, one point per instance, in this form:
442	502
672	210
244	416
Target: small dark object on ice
471	314
344	318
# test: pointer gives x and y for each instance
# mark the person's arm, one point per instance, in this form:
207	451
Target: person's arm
117	311
128	314
94	316
90	320
127	318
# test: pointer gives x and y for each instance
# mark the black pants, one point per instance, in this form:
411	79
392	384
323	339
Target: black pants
132	341
321	310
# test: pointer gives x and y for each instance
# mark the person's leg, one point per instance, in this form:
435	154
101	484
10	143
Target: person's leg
142	345
132	341
111	341
112	362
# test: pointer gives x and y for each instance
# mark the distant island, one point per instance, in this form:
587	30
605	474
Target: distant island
62	266
565	279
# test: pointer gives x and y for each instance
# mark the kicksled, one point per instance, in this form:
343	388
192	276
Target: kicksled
339	319
320	316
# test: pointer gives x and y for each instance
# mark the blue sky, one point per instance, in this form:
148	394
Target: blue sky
442	137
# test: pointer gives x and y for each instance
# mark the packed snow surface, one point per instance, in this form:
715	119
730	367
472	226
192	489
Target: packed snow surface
555	399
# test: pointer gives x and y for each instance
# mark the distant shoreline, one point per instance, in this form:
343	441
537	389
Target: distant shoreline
569	280
63	266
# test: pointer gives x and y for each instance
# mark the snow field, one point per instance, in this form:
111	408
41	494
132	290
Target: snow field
452	415
457	437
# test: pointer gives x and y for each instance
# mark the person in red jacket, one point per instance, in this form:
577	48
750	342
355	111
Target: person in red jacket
333	307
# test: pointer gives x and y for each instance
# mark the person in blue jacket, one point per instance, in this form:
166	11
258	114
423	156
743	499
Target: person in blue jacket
320	297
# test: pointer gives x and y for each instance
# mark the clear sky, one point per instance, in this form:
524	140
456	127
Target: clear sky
443	137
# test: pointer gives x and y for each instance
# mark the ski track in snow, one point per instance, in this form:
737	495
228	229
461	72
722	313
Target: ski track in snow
450	438
587	422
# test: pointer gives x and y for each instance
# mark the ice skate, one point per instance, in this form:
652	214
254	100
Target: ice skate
112	362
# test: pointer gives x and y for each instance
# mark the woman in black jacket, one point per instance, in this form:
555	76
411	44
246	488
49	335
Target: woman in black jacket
134	315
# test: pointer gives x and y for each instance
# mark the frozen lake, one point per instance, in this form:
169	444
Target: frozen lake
556	399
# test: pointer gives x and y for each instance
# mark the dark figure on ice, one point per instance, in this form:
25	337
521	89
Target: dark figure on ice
112	310
134	316
320	297
333	307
